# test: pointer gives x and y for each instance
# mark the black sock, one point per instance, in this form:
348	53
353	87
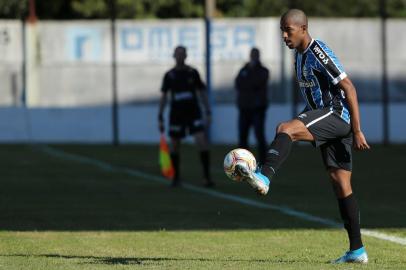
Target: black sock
350	214
276	155
175	163
205	159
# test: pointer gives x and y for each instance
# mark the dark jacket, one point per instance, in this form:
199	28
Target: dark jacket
252	87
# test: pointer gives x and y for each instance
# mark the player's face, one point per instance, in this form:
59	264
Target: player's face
254	56
292	33
180	55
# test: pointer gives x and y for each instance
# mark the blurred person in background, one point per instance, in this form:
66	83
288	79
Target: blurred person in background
330	121
251	84
187	94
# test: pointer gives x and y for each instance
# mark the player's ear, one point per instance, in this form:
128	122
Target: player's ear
304	28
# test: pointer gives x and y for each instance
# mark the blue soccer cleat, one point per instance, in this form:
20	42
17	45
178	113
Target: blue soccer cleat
256	179
353	256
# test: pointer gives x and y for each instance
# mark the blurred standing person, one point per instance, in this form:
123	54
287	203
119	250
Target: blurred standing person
187	91
251	84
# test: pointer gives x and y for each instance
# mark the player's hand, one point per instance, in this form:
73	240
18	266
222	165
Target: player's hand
360	143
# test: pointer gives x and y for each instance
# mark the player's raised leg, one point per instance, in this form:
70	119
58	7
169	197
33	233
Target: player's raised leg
257	180
286	134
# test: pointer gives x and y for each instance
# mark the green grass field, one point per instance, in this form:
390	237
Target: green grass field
103	207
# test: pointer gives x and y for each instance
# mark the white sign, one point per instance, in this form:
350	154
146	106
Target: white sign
11	50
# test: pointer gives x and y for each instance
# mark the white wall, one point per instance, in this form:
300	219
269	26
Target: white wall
74	57
74	74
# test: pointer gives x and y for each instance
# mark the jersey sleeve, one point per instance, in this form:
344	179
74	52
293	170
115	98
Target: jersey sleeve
165	83
199	83
328	62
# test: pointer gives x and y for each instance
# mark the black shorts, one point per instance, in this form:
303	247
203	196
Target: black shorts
332	134
182	123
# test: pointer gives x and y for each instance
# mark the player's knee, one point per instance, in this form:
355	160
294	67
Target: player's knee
284	128
341	183
201	141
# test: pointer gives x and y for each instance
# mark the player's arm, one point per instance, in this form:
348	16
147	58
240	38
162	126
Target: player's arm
205	101
346	85
334	70
162	104
265	80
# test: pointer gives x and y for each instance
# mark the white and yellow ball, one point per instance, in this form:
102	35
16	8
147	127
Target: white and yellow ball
238	156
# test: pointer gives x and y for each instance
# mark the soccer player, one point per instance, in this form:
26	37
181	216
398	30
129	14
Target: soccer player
185	118
251	84
330	121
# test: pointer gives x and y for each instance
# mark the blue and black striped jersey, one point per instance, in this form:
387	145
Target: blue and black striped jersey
318	72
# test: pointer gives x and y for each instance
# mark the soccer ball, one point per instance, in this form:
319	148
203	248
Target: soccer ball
238	156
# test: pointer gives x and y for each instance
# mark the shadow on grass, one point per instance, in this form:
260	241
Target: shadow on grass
41	192
152	260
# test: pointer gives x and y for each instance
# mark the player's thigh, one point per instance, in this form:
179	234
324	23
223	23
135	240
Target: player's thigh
196	127
195	124
337	154
201	140
325	125
177	127
296	130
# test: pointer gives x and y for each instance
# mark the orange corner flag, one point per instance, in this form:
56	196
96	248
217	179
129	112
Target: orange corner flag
165	159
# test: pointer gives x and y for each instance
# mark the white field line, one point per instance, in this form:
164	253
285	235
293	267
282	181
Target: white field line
282	209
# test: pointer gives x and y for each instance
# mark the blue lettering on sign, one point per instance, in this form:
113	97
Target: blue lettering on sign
157	42
244	35
79	43
131	38
84	44
160	37
188	36
219	37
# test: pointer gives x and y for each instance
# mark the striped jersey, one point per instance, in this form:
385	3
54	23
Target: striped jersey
318	72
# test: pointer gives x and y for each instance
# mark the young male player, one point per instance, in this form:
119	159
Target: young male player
184	84
330	121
